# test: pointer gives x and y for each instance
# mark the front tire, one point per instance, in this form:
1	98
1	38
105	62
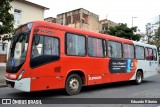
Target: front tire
73	84
139	78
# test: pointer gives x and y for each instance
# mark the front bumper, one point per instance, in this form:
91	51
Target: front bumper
23	84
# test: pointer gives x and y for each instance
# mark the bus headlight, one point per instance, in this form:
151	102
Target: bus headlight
20	75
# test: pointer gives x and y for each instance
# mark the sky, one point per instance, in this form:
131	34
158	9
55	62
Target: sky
119	11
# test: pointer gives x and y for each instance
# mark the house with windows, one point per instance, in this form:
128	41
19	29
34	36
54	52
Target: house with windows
79	18
24	11
105	24
50	19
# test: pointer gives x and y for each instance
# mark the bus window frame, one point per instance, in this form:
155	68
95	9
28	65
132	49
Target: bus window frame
121	49
43	50
65	44
105	56
145	53
135	52
156	54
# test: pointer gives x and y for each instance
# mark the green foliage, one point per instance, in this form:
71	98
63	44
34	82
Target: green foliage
123	31
5	17
156	40
157	34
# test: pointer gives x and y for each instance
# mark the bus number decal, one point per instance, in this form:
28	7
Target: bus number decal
95	78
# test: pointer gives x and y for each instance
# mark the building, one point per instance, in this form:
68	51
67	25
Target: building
79	18
50	19
25	11
105	25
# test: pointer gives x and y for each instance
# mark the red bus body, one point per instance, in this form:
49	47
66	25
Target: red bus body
92	70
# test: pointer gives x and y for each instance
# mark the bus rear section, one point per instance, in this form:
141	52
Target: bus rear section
147	60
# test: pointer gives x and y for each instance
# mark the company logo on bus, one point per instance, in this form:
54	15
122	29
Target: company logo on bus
46	31
95	78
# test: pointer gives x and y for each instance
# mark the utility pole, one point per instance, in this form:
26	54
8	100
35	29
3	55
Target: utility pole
132	20
159	21
148	31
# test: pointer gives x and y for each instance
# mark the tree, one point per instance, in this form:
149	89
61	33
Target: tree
156	39
123	31
6	20
157	34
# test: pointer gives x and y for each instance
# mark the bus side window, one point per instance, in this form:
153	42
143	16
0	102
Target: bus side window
70	49
114	49
90	47
96	47
47	45
75	45
51	46
110	51
35	51
139	52
128	51
148	54
154	54
55	50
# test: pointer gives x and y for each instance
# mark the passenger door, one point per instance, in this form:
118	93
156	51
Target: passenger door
45	59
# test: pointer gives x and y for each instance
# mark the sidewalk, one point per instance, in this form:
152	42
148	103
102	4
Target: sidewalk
2	76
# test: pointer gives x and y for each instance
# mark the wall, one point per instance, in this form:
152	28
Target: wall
90	23
29	12
107	24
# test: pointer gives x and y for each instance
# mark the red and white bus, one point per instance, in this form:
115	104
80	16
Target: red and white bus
46	56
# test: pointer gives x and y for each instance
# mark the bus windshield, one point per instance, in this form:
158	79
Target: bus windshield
18	50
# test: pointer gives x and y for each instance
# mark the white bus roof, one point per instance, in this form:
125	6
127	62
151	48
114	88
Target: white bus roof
143	44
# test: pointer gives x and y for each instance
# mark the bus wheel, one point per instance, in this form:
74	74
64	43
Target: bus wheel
139	78
73	84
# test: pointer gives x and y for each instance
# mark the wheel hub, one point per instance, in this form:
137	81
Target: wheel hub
74	84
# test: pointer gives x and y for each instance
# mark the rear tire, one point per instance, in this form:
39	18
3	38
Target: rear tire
139	78
73	84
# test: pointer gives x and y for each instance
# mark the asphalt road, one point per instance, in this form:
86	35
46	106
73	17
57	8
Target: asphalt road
150	88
